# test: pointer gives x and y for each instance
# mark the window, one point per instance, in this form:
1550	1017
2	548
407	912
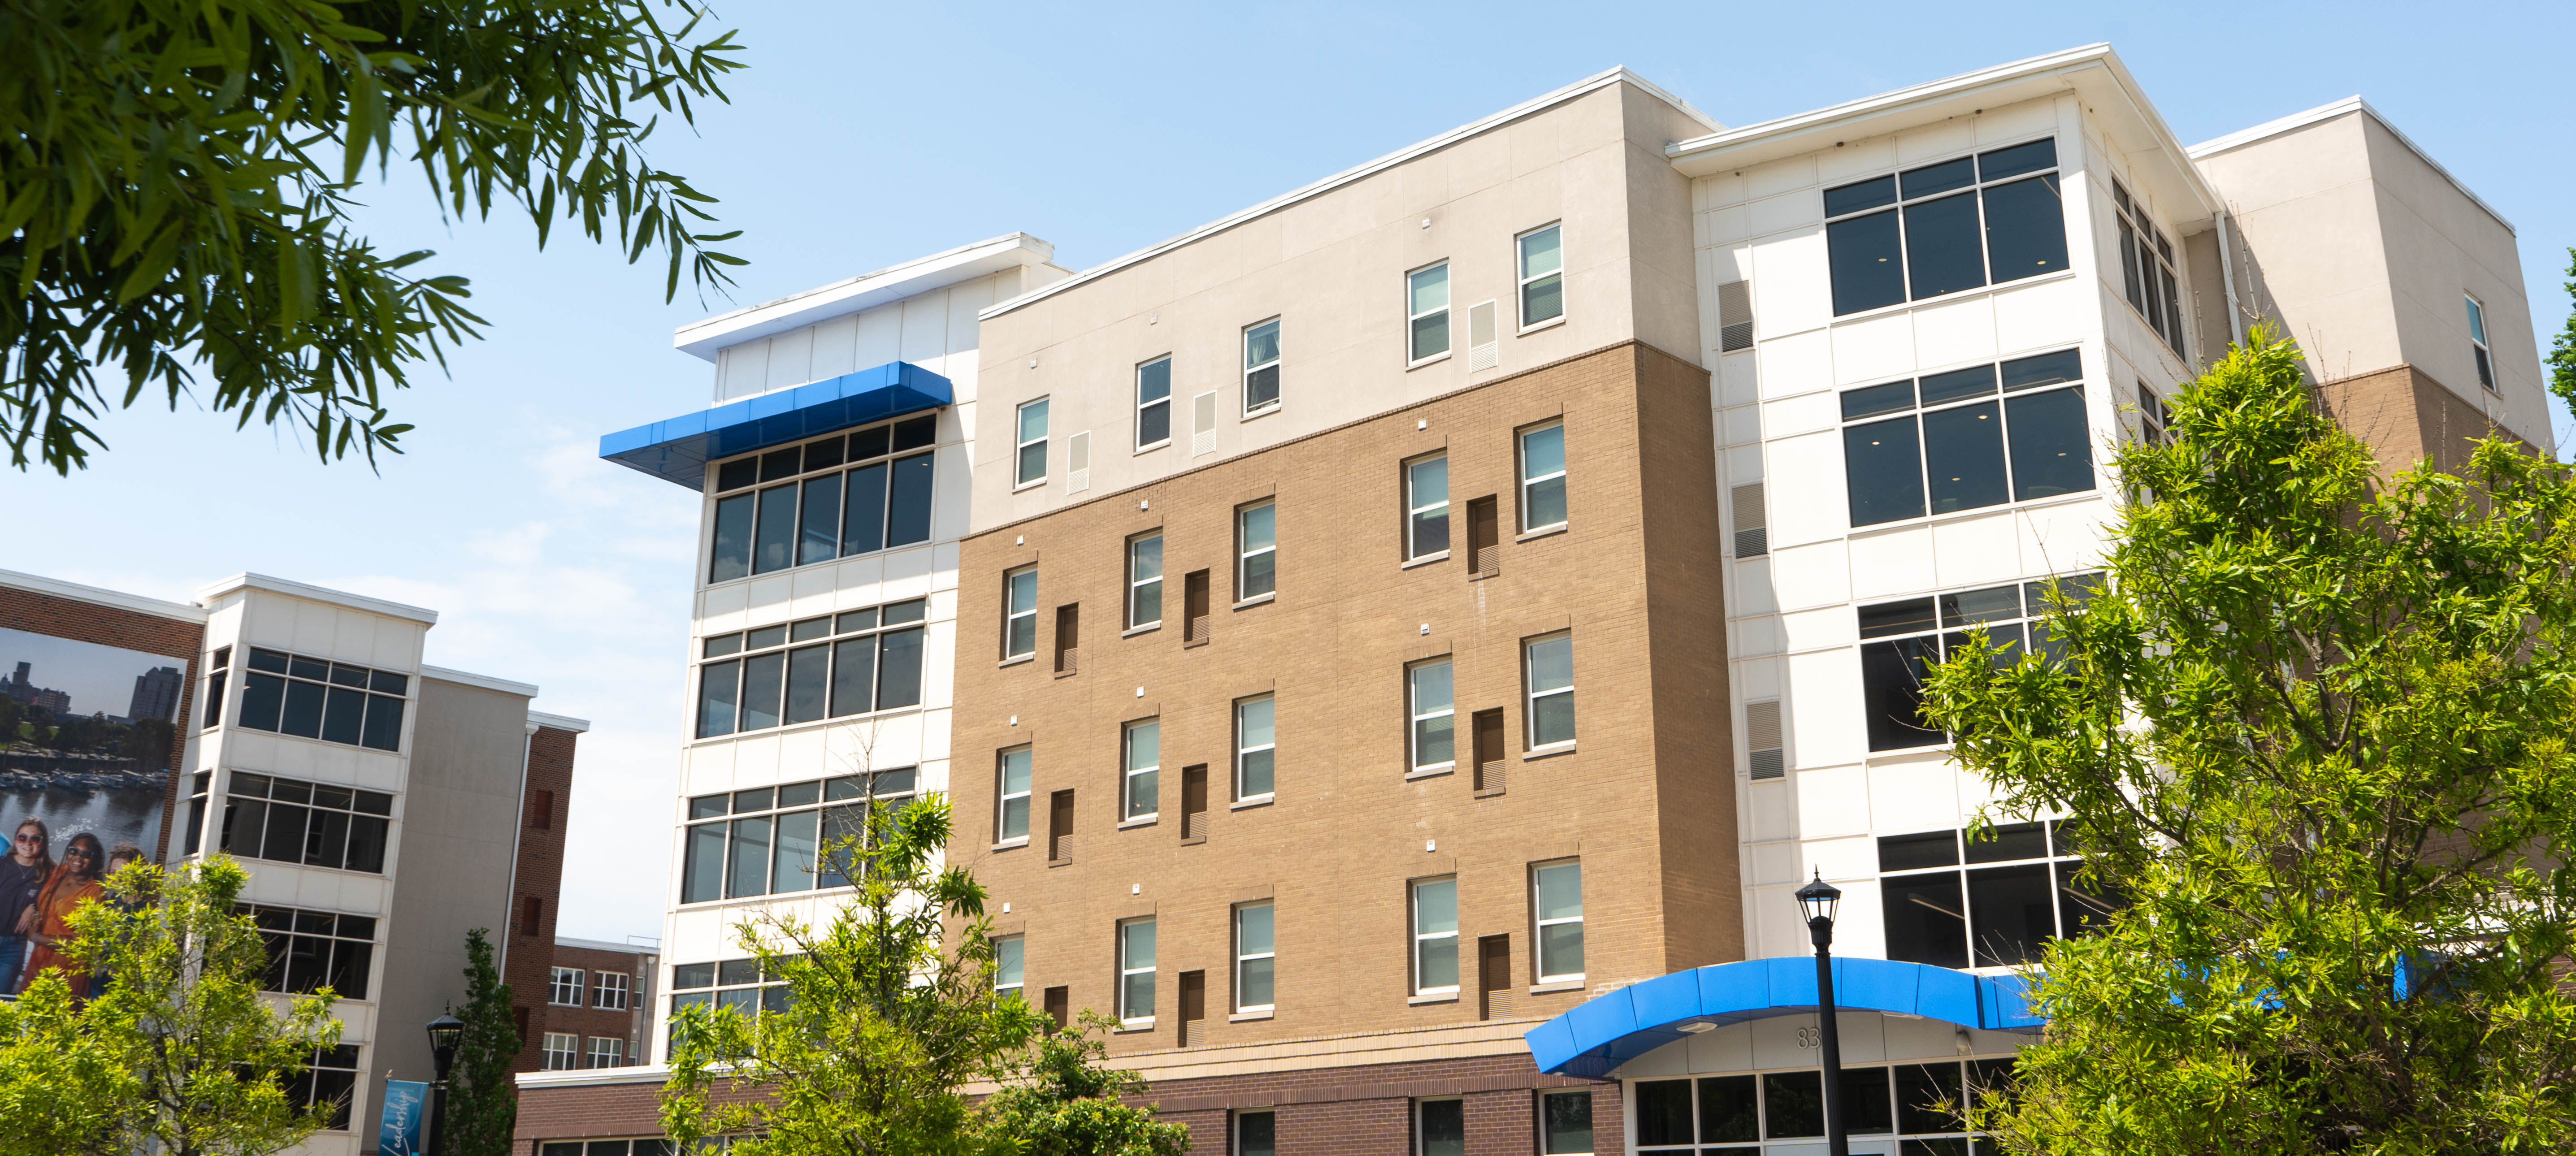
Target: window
1261	366
2152	420
1549	671
1434	709
1762	743
2147	268
1542	256
845	494
220	666
331	1080
331	701
1256	741
1256	1134
1440	1128
1674	1117
609	990
312	950
1010	964
607	1052
1960	224
806	671
1136	971
1143	747
199	785
1012	818
1256	535
737	984
1033	443
1963	445
1145	581
1752	530
2478	342
1426	504
563	1051
1020	614
1734	316
1954	901
1153	403
315	824
1901	640
1543	477
1556	894
1427	310
1565	1123
565	988
1255	958
783	839
1435	936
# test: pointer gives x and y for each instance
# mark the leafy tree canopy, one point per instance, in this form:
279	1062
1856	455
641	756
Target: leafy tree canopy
482	1095
2562	351
176	180
1063	1101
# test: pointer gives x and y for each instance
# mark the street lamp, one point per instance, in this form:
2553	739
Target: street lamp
1818	900
443	1034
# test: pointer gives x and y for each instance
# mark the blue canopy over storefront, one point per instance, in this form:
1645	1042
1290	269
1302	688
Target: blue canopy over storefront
678	449
1608	1030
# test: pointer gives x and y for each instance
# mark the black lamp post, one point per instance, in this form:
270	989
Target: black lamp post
1819	900
443	1034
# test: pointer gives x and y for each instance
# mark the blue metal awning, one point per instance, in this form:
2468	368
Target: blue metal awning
1592	1039
678	449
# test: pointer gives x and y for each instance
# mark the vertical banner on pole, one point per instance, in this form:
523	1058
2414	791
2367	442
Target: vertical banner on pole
405	1101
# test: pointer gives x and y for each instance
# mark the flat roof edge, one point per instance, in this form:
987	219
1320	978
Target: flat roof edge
703	338
560	722
2330	111
2032	68
57	588
483	681
306	590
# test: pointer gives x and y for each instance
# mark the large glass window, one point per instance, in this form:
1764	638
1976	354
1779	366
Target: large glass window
737	984
1255	958
318	699
1954	901
846	494
2147	268
1012	818
315	824
331	1081
1435	935
1966	439
1145	580
1033	443
1556	898
1261	366
1543	477
1958	224
1548	668
1256	741
1142	747
1136	971
1020	613
1433	704
1153	403
781	840
1427	312
812	669
1256	537
312	950
1426	507
1542	257
1902	640
1675	1117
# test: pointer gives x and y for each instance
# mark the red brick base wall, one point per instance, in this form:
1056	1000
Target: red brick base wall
540	881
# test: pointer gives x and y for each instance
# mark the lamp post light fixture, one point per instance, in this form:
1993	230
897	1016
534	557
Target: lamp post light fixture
444	1032
1818	901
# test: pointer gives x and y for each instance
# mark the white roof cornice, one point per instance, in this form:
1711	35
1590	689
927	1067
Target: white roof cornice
36	583
292	589
1009	251
483	681
2326	112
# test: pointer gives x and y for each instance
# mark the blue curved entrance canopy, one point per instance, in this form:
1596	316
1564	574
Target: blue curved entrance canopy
678	449
1608	1030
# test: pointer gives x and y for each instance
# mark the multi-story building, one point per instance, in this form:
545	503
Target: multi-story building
1584	489
313	745
599	1000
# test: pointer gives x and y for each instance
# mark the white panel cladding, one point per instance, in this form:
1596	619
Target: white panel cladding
1805	576
1792	289
1832	801
791	359
1976	552
1890	563
1753	587
836	347
1803	209
1961	333
1825	720
1789	366
1873	350
1832	626
1805	413
1918	792
1807	495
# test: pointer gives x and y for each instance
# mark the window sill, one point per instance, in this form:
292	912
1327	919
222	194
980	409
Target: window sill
1542	532
1489	793
790	728
1948	298
1195	642
1193	840
1255	801
1432	997
1264	411
1163	444
1427	559
1430	772
1432	360
1067	861
1550	323
1066	673
1245	1017
1875	529
1012	844
1553	986
1547	752
1141	821
1007	662
1126	1026
1147	628
1257	600
1031	485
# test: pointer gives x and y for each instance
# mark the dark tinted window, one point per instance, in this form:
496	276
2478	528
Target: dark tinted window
818	536
1894	397
1892	692
914	433
1907	616
899	670
2018	159
778	464
719	686
1909	852
1942	253
2014	910
2051	451
1663	1112
1940	178
854	676
808	670
1726	1110
863	524
908	509
1920	1089
1925	920
1865	1105
1963	457
1794	1104
762	675
1884	468
1958	384
2025	228
1865	195
2008	842
825	454
736	474
1867	269
732	555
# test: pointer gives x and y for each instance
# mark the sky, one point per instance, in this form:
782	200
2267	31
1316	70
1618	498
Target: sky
862	136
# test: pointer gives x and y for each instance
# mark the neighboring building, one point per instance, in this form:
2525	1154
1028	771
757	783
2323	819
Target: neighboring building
321	752
599	997
1583	488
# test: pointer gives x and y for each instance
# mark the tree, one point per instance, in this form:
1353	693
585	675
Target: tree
868	1024
1063	1103
2562	352
482	1096
181	1053
2315	729
176	182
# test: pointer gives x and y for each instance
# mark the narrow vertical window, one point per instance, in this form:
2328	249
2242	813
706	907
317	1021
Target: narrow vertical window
1145	580
774	535
1257	547
1143	760
1550	671
2478	342
1435	936
1752	537
1434	711
1261	366
1565	1123
1543	477
1077	463
1542	256
1256	1134
1440	1128
1010	965
1012	818
1254	958
1033	443
731	556
1762	739
1020	613
1256	735
1734	316
1426	500
1427	304
1136	971
1556	892
1153	403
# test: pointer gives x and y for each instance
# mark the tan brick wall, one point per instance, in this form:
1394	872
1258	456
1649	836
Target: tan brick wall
2407	417
1646	800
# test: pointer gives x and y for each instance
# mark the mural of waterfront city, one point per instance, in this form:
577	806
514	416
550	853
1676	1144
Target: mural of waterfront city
87	744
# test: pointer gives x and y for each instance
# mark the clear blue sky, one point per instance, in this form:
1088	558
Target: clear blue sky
863	136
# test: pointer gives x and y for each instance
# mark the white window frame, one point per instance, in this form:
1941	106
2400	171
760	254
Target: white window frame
1540	923
1244	551
1020	478
1234	1128
1013	613
1276	362
604	984
1003	982
1421	1143
1448	296
1129	772
1242	956
1521	466
1531	692
1413	923
1543	1098
1415	508
1142	404
1415	716
616	1052
1004	796
1137	585
1520	264
562	1051
1244	748
2482	353
1127	970
566	979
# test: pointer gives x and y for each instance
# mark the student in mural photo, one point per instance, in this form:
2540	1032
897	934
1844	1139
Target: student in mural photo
118	858
23	872
81	878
